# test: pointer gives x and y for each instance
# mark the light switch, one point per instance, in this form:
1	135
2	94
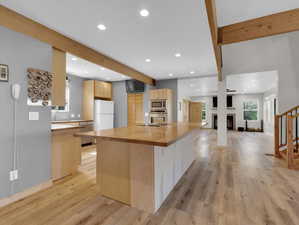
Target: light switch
33	115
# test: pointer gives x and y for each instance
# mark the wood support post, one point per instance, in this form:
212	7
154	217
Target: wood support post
276	137
290	145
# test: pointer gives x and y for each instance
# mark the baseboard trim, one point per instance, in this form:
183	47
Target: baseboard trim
26	193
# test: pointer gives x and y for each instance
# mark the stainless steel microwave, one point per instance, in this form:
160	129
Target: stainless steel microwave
159	105
158	118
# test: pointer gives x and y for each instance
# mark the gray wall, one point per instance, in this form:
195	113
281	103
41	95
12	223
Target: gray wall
76	93
173	85
120	104
275	53
20	52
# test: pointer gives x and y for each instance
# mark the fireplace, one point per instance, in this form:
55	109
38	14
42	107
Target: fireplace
231	121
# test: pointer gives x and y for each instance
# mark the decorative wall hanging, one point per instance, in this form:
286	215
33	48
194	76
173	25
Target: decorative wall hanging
4	74
39	87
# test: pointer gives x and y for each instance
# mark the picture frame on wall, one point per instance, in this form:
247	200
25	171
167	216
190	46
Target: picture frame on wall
4	73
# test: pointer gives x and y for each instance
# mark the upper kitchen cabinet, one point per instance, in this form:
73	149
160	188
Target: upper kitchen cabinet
59	77
163	93
102	90
92	90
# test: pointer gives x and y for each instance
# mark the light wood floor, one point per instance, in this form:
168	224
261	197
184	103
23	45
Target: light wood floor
237	185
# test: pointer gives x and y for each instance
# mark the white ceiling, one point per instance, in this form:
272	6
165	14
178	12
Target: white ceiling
234	11
82	68
250	83
174	26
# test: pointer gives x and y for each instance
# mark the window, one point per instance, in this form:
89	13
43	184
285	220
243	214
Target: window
204	112
65	108
250	109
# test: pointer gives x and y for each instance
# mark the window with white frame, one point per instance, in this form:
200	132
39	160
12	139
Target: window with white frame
250	110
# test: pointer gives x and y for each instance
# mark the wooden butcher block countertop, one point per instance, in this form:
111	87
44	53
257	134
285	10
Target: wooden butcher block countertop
163	136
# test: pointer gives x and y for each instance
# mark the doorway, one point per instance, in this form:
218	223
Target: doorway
195	110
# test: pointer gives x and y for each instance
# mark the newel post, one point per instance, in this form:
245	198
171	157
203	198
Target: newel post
276	137
290	144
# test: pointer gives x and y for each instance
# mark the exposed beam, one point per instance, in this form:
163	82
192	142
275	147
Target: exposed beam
211	11
274	24
59	77
22	24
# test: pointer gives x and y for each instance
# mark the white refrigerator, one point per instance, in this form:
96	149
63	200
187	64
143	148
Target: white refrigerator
103	114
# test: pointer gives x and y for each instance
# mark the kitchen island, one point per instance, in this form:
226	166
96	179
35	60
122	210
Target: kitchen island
140	165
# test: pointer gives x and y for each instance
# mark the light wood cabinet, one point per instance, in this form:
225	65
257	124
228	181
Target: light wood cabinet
135	109
94	90
66	153
163	93
102	90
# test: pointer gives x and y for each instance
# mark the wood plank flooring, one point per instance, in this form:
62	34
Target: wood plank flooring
236	185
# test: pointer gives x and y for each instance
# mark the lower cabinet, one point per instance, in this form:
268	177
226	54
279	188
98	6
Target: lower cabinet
66	153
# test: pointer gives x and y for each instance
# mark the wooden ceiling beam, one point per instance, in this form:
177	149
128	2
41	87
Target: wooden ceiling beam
274	24
212	18
19	23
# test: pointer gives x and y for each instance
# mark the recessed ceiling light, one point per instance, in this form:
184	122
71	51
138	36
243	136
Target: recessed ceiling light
102	68
144	12
170	74
178	55
102	27
74	59
192	72
148	60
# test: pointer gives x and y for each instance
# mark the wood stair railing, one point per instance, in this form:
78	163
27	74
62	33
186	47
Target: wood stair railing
286	137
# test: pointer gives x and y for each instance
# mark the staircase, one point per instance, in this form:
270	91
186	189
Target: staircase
286	137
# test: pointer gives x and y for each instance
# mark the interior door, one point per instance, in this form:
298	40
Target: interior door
195	109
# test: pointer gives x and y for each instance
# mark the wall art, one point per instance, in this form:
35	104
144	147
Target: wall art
4	73
39	87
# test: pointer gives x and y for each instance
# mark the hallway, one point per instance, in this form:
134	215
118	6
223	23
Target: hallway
219	188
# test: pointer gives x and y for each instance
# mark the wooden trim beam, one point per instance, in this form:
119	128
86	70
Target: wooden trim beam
212	18
274	24
19	23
